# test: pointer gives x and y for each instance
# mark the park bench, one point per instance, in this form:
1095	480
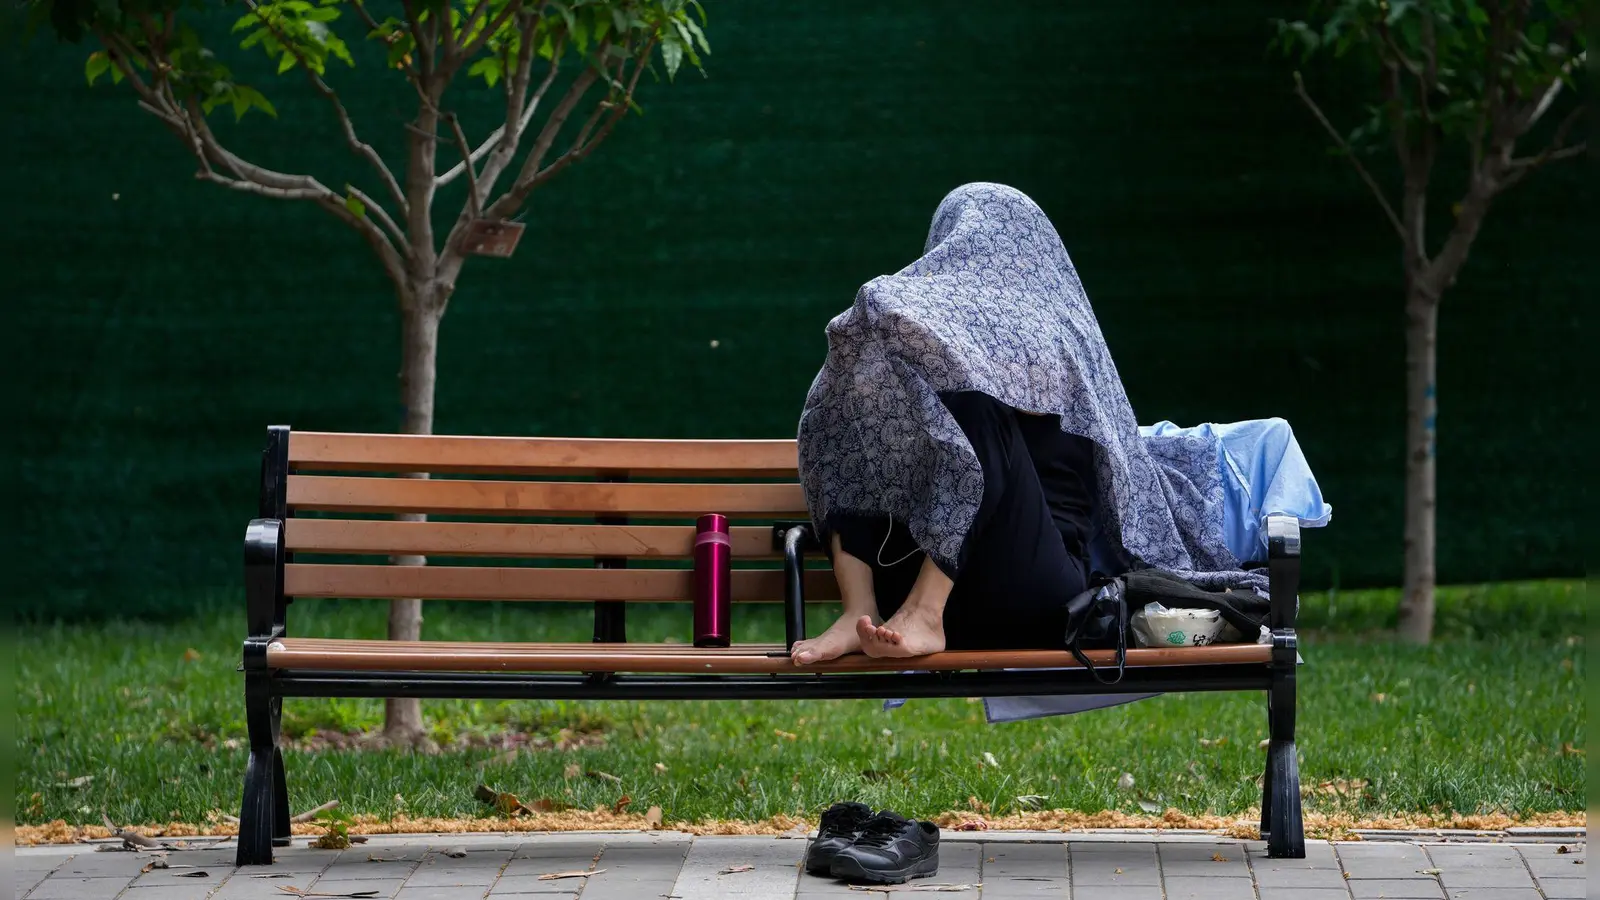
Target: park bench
592	506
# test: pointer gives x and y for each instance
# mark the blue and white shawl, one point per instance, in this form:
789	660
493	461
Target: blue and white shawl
995	305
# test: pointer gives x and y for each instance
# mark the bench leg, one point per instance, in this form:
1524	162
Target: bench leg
264	814
1281	823
280	797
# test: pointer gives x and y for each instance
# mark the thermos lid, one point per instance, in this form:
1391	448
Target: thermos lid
712	522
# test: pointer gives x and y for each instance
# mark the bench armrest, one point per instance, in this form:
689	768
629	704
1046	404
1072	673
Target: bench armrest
263	578
1283	570
793	538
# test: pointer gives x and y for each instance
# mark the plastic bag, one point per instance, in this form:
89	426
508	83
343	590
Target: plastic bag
1158	626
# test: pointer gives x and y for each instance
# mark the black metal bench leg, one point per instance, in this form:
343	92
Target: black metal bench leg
1266	779
1281	822
265	798
280	798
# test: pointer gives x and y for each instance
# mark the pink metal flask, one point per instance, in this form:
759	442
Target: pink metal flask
713	596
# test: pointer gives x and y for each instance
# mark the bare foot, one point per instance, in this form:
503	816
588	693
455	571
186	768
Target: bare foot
907	633
838	640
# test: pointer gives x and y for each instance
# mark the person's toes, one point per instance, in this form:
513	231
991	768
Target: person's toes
865	630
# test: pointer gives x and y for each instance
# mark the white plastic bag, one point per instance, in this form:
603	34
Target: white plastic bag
1158	626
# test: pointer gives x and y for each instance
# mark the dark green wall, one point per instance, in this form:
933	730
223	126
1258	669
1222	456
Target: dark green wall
1238	270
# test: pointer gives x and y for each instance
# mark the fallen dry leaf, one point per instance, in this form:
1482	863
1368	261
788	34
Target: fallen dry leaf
786	735
652	817
273	875
1429	871
301	892
1210	742
456	853
661	767
989	760
1265	743
191	655
1218	857
621	806
734	870
552	876
548	805
504	802
1563	849
1568	750
1379	698
196	874
572	771
973	825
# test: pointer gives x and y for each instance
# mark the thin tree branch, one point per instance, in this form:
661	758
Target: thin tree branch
1377	192
519	112
474	199
357	146
476	43
361	10
513	197
1557	149
1554	89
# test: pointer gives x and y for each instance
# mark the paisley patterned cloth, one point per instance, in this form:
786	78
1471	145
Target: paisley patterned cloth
995	305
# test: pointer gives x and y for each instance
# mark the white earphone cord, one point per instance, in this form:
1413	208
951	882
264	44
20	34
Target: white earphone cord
885	544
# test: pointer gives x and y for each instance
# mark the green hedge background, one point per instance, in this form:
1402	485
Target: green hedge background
1238	269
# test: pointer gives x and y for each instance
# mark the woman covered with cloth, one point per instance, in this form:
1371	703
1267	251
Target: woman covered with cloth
969	455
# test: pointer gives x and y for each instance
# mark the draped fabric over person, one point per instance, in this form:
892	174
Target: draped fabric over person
995	305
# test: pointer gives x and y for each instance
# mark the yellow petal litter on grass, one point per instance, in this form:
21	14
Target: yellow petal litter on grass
1330	826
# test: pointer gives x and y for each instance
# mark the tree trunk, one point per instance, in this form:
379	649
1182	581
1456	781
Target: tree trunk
1422	353
419	342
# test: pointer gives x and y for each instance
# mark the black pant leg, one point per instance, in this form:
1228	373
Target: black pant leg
1015	574
889	549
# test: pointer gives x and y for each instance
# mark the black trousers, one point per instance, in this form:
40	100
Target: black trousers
1015	575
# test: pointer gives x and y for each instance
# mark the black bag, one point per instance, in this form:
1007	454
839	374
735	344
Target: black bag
1245	610
1098	619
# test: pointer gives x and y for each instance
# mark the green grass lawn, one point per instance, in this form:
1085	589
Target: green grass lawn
1484	720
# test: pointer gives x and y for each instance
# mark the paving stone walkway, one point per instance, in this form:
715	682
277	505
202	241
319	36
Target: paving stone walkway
674	866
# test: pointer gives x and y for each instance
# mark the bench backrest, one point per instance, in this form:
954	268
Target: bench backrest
591	509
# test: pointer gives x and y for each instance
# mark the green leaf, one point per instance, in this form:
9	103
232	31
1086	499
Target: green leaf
699	34
356	207
254	98
285	62
490	67
97	64
672	55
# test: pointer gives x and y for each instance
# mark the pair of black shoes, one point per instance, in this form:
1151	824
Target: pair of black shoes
856	845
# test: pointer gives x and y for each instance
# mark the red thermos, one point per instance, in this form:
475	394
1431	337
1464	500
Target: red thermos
713	564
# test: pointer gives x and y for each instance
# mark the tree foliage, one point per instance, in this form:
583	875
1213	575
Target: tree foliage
514	47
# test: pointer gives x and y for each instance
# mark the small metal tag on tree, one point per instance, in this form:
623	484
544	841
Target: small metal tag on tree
497	239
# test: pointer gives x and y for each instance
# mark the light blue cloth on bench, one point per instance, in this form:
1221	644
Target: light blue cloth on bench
1264	473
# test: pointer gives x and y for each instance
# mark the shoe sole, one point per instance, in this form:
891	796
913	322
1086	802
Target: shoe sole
852	871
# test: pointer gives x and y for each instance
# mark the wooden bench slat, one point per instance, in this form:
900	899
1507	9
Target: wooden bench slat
513	583
366	536
392	656
337	493
310	450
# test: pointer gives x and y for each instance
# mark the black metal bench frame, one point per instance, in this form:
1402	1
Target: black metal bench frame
264	817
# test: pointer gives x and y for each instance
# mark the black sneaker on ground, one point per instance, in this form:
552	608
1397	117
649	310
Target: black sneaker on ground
840	826
891	850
